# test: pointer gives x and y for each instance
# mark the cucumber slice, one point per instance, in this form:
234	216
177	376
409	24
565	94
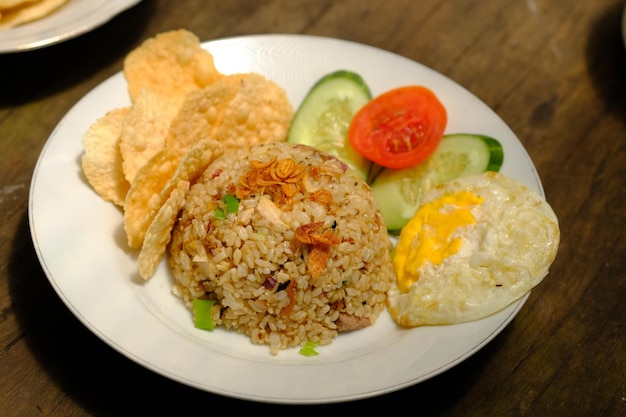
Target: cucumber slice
324	117
399	192
464	154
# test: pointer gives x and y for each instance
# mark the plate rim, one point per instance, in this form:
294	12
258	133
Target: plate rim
52	29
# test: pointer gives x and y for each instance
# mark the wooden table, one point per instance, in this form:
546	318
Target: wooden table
554	71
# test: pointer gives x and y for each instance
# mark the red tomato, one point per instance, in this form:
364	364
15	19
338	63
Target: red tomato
399	128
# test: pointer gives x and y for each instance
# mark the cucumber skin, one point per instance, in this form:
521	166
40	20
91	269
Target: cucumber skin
351	76
392	186
496	152
347	85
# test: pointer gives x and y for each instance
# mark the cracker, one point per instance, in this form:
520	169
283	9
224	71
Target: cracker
171	64
159	233
239	110
144	130
28	11
102	161
9	4
144	195
259	113
201	111
156	180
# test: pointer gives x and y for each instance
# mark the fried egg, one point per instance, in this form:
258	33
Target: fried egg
476	245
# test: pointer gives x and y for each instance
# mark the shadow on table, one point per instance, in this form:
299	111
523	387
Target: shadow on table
606	60
34	74
104	382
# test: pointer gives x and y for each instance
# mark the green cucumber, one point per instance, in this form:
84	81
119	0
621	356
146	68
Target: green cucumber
399	192
324	117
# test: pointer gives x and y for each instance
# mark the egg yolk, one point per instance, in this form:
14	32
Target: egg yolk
427	237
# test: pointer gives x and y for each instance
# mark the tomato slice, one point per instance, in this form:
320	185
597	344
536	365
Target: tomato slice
400	128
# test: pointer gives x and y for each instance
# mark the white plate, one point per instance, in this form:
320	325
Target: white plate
72	19
80	242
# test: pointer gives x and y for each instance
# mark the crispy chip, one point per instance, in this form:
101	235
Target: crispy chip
102	162
238	110
24	12
201	111
9	4
171	64
184	115
144	194
159	232
155	181
144	130
259	113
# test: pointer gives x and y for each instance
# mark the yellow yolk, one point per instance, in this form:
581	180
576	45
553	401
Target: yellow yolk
428	237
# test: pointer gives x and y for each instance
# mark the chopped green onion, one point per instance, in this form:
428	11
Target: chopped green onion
202	314
232	206
219	213
232	203
309	349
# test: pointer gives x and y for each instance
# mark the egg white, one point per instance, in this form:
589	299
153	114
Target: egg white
506	253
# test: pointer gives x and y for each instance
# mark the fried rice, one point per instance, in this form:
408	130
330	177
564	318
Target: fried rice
293	248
